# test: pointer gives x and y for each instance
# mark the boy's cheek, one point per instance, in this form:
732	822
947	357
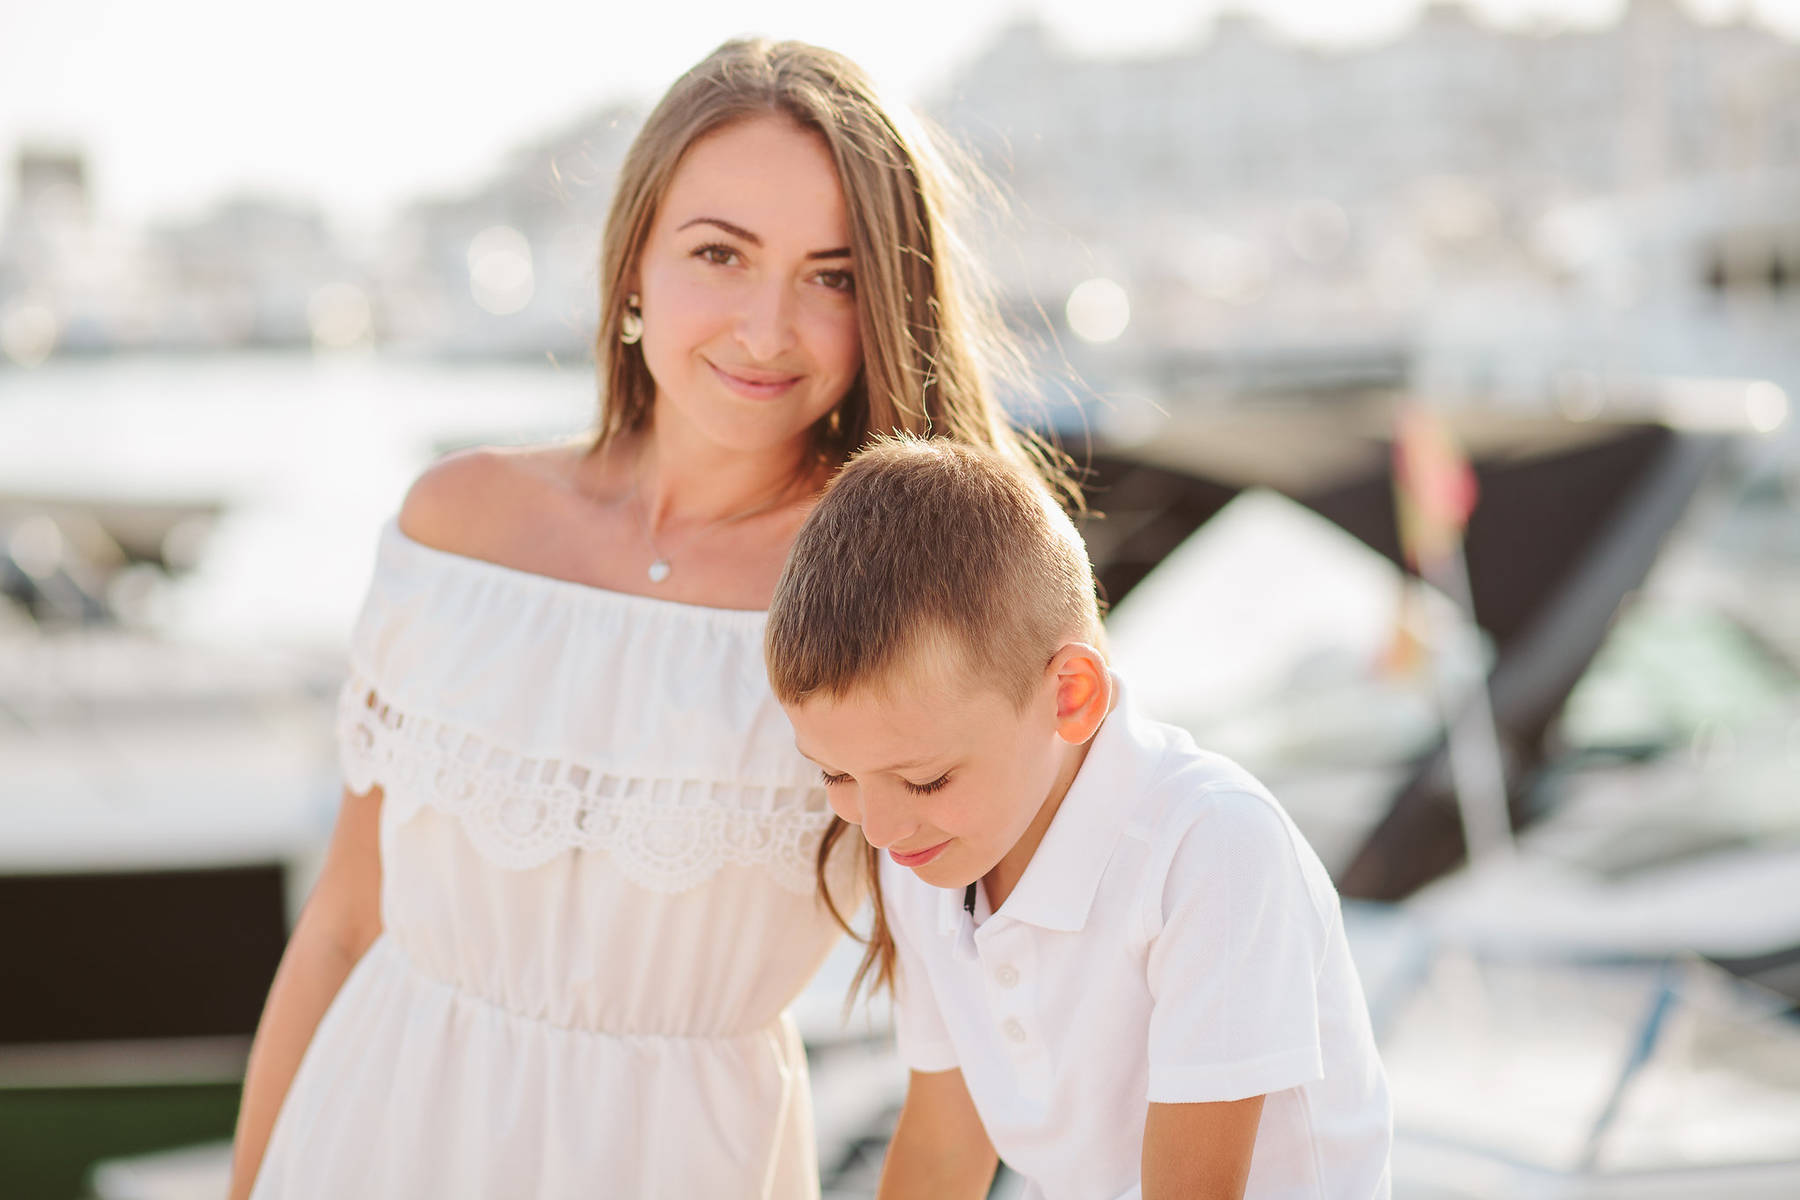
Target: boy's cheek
845	806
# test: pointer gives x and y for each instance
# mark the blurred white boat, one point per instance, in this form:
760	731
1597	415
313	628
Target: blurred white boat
1573	1079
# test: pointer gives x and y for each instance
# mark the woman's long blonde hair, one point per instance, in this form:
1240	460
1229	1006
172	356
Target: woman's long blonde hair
934	347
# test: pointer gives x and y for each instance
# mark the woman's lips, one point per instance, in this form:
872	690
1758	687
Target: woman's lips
755	386
919	859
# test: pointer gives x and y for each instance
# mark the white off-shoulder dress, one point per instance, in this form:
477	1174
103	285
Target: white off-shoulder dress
598	901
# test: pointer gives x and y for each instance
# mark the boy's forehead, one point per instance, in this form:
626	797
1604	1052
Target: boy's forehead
893	704
923	711
863	734
934	677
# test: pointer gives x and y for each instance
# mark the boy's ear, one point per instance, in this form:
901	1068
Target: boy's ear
1083	691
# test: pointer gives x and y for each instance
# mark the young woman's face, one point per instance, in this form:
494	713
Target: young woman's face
747	290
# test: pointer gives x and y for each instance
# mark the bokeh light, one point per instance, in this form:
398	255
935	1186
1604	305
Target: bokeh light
28	332
1098	310
500	275
1318	230
340	318
1766	406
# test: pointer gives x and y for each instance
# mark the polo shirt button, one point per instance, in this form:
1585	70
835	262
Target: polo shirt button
1006	975
1015	1032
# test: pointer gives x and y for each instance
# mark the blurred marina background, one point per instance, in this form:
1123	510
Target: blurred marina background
256	272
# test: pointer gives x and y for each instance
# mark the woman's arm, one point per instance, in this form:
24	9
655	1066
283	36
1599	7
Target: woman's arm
940	1150
1199	1150
342	916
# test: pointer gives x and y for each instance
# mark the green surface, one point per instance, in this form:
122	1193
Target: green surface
1667	674
50	1137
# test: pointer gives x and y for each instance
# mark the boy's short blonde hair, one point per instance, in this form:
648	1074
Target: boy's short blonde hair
927	554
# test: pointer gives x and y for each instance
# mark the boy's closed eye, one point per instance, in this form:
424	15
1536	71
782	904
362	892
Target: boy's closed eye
919	789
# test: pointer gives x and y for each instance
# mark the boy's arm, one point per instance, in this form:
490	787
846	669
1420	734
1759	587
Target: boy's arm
940	1150
1199	1150
1237	936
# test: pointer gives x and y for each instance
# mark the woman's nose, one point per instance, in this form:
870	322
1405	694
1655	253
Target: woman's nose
766	322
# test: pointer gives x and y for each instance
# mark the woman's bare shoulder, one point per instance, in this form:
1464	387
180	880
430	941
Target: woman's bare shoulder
472	500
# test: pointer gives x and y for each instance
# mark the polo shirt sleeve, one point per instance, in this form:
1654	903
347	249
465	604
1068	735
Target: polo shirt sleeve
1237	938
920	1036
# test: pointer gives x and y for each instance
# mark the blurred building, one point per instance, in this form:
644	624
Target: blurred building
1462	207
251	271
67	281
255	271
511	267
1253	193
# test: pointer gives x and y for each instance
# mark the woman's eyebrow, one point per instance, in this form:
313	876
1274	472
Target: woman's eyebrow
738	231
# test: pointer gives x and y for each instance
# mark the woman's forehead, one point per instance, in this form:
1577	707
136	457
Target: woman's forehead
766	176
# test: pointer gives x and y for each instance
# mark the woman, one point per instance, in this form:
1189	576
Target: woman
577	875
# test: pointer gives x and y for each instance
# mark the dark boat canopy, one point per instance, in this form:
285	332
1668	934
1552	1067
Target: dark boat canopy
1571	516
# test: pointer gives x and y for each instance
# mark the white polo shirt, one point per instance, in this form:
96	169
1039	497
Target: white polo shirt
1174	939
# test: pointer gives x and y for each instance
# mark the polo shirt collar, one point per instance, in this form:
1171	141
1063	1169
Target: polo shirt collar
1058	887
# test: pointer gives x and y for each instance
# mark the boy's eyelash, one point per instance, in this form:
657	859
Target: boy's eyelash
921	789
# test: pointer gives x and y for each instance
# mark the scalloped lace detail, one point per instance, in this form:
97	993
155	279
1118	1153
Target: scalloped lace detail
667	835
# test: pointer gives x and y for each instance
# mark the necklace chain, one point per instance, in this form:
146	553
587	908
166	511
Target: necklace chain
659	561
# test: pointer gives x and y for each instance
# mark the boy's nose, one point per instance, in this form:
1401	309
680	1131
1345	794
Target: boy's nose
885	825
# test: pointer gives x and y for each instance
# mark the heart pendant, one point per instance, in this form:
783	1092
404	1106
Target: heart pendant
659	570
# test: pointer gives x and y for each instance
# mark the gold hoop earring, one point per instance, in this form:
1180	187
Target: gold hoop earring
631	323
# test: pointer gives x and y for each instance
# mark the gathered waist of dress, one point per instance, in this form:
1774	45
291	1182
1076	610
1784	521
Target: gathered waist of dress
387	954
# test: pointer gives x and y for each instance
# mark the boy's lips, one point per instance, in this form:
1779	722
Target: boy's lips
757	385
919	857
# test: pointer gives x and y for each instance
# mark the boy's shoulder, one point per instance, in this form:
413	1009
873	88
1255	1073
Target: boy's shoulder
1173	782
1201	818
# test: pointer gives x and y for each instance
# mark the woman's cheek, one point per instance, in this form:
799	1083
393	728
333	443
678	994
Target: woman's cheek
841	342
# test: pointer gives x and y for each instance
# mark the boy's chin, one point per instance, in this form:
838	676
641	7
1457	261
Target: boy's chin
939	873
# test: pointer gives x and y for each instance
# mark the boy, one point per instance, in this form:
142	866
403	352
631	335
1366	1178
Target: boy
1115	960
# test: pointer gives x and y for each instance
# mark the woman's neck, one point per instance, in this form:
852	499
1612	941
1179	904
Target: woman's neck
683	481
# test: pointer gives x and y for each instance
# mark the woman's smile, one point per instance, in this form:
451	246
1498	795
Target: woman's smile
752	383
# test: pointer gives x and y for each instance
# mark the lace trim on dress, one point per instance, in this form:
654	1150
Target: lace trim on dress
667	835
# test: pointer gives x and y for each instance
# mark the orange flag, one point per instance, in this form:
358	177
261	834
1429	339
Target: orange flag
1434	487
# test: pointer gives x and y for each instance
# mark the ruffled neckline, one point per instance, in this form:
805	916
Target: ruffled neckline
396	544
547	714
553	668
